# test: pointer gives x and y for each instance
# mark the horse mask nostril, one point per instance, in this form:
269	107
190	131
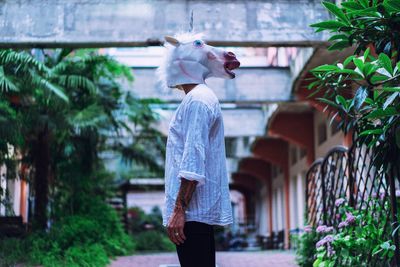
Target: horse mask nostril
230	55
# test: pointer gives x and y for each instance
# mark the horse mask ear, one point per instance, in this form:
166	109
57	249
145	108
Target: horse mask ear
171	40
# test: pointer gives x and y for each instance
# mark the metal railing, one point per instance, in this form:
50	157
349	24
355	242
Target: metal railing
351	174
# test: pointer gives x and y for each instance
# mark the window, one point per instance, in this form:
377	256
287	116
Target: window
321	132
246	141
334	127
230	147
295	203
293	155
303	153
274	171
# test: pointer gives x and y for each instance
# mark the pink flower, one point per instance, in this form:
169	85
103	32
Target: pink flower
381	194
350	218
343	224
320	243
308	228
321	229
397	193
324	229
326	240
329	229
331	251
339	202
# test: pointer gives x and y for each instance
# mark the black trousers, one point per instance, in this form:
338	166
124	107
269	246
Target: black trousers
198	250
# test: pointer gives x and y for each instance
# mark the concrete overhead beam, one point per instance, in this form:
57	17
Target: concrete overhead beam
112	23
251	85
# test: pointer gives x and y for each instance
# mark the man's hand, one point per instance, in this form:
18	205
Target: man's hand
177	221
175	226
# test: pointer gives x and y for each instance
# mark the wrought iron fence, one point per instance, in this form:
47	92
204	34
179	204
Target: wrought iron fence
350	174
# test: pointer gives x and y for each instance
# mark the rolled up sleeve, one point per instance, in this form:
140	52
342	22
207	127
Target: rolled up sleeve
197	120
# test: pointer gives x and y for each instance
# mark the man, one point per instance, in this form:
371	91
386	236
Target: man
196	181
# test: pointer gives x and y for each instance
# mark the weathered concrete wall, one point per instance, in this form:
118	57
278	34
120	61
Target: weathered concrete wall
140	22
250	85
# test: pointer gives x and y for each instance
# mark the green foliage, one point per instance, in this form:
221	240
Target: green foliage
70	105
137	219
90	255
306	251
12	251
74	99
349	244
364	88
153	241
77	240
147	230
361	23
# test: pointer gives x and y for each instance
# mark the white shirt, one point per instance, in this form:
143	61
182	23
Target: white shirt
196	151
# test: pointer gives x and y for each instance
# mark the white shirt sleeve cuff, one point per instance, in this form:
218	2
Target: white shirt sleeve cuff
192	177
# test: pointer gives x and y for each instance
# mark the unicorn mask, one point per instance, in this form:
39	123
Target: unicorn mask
191	61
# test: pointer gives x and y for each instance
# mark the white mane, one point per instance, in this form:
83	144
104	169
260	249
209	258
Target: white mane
161	72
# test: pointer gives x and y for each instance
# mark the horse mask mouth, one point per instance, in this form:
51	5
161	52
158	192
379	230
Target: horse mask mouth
230	64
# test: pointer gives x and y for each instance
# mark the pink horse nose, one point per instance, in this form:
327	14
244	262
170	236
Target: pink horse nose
229	55
231	61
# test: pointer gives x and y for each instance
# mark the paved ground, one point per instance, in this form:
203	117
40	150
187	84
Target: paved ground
224	259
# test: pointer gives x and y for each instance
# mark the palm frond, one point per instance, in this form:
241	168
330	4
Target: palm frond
62	54
6	82
141	156
107	66
11	57
47	85
77	81
61	67
9	130
91	116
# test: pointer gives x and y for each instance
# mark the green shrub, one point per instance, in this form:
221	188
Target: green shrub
12	251
154	241
91	255
137	218
359	233
305	253
78	240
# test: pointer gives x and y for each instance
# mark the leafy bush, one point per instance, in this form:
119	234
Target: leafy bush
154	241
364	92
358	233
305	253
76	97
373	27
91	255
138	220
148	231
77	240
12	251
348	243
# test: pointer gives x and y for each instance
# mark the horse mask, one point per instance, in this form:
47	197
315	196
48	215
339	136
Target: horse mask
191	61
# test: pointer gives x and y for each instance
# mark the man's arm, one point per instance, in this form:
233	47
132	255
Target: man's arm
177	220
